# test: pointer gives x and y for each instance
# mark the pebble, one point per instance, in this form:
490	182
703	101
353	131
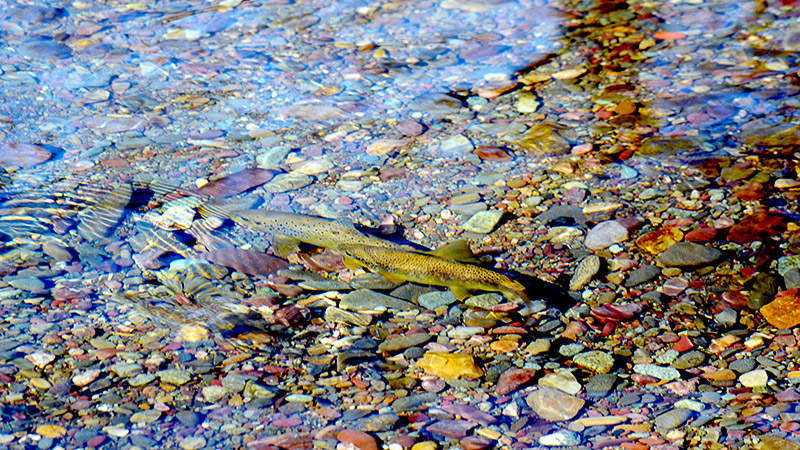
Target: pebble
688	254
359	439
483	222
414	402
449	366
672	419
595	360
643	275
587	269
560	438
141	380
436	299
86	377
563	380
313	166
605	234
30	284
784	311
659	240
51	431
126	370
192	443
334	314
213	393
571	349
366	301
754	378
554	405
512	379
273	157
484	301
689	359
147	416
656	371
404	341
177	377
287	182
40	359
455	145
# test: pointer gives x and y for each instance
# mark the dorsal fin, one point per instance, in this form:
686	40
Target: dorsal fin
457	250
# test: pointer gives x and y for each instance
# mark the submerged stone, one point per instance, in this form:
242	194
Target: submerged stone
605	234
784	311
688	254
449	366
554	405
483	222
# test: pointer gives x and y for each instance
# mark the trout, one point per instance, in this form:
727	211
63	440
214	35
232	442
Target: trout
289	229
399	265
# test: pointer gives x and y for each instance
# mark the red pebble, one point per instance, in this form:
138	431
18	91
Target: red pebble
683	344
96	441
492	153
644	379
704	234
358	438
512	379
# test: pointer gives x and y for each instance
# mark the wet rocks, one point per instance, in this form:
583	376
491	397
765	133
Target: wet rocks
483	222
656	371
672	419
605	234
554	405
784	311
449	366
587	268
688	254
367	301
16	154
512	379
402	342
595	360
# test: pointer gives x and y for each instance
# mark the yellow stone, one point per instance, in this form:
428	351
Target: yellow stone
659	240
633	428
383	146
449	366
784	311
51	431
786	183
427	445
193	333
601	420
774	443
40	383
720	344
569	74
488	433
504	346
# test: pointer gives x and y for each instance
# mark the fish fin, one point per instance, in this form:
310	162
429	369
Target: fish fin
392	277
460	292
282	246
457	250
351	263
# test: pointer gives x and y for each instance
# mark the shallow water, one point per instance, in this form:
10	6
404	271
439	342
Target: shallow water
118	120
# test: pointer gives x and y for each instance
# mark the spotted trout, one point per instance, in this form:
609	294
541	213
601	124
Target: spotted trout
399	265
289	229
